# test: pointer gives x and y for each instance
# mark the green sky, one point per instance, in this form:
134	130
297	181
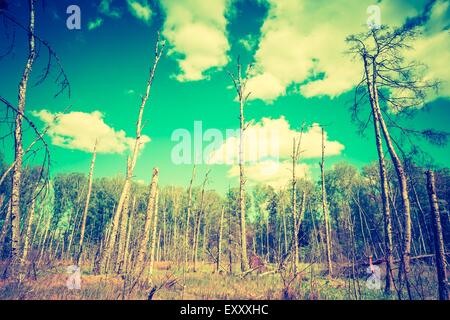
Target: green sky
294	44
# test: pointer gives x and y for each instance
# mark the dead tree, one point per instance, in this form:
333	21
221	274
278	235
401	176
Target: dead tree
383	177
396	84
325	211
240	86
295	158
154	234
86	205
197	222
159	48
148	220
18	148
439	248
18	126
188	220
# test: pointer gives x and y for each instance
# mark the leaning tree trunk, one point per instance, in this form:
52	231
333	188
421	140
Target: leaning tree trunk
384	184
18	148
325	210
122	235
126	254
126	186
439	248
406	255
86	205
148	221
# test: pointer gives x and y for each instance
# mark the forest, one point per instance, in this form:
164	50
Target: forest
377	230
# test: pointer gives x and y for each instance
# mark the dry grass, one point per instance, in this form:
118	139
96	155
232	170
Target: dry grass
204	284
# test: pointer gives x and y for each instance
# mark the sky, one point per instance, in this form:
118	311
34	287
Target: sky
301	74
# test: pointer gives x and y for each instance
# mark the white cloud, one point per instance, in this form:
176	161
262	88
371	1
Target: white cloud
269	172
268	150
272	139
140	9
79	130
303	42
266	87
196	30
433	48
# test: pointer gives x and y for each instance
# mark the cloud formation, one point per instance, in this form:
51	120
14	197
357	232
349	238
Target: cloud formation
272	139
302	45
268	148
196	31
270	172
140	9
79	130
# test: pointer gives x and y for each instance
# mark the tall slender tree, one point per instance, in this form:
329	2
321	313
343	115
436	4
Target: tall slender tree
159	49
398	84
325	210
148	220
86	205
18	148
296	144
188	220
439	248
240	85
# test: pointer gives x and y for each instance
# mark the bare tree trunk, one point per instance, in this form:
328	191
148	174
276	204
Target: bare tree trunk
154	236
439	248
244	257
114	228
301	214
123	228
148	221
86	205
296	151
18	148
384	184
294	205
188	221
198	222
283	214
205	239
123	234
325	210
163	251
158	247
406	266
219	244
44	237
127	241
175	244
